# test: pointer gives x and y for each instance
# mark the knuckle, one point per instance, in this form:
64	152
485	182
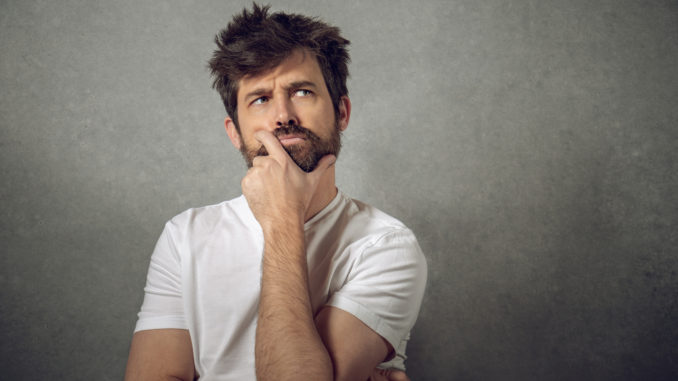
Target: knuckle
249	178
261	162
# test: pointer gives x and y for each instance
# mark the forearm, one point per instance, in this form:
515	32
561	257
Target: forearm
287	343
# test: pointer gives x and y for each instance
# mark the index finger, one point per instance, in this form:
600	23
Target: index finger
272	144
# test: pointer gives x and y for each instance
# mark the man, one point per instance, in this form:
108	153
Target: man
293	280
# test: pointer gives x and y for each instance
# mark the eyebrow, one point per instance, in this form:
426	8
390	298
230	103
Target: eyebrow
294	85
300	84
256	93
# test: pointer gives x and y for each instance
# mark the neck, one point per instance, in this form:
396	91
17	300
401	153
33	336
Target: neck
324	194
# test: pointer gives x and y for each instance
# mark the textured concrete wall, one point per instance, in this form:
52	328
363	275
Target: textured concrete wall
531	145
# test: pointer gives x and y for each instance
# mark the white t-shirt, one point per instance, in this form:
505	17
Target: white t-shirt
205	276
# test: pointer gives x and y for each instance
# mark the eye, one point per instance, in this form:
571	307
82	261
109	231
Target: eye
302	92
260	100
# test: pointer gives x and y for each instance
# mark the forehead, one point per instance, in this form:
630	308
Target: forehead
299	66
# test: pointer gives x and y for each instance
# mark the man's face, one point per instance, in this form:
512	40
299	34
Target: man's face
291	101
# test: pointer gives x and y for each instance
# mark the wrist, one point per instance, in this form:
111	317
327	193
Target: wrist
277	231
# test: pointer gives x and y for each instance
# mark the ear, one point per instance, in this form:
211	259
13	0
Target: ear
344	112
232	132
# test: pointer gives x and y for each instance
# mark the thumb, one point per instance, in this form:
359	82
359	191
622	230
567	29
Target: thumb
325	163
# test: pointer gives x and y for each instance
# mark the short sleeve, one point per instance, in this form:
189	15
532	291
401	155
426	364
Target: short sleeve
385	286
163	306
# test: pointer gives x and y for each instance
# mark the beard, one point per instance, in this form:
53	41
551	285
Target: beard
306	154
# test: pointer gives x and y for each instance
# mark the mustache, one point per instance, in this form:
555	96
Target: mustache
290	129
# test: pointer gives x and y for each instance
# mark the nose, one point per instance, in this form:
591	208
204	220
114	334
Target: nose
285	113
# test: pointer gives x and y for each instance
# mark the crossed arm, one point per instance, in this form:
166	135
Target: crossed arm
291	343
166	354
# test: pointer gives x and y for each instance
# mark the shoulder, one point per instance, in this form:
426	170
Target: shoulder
205	219
370	230
373	222
367	212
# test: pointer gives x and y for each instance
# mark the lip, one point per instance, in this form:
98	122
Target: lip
287	140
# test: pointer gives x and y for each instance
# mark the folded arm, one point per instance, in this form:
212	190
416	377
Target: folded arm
161	355
355	349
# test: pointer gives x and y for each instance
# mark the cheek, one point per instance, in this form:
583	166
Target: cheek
247	131
250	143
323	118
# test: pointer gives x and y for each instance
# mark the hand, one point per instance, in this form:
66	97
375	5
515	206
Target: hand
277	190
388	375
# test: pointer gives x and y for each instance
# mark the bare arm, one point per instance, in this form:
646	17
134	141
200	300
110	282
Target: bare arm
354	347
338	346
288	345
162	355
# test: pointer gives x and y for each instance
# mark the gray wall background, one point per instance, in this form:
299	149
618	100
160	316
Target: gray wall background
531	145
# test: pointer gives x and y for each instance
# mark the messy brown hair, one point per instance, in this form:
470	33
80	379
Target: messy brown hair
255	42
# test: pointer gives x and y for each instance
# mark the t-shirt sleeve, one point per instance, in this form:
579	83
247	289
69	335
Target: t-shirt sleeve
386	285
163	306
